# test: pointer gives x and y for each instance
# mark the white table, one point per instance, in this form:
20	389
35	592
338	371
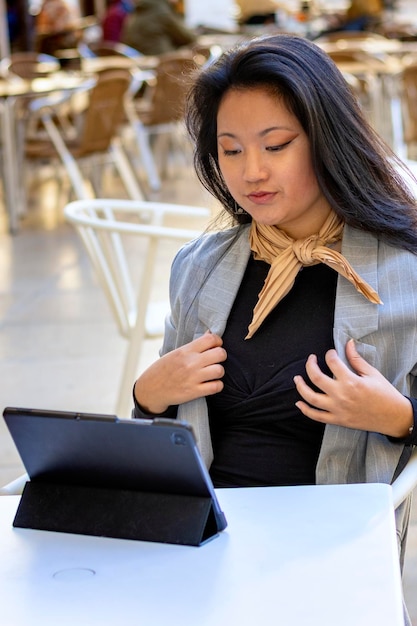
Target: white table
291	556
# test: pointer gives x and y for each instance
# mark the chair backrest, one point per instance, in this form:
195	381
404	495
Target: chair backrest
96	116
172	82
102	225
105	111
105	227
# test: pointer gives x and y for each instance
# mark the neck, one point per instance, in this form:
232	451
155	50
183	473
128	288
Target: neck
306	227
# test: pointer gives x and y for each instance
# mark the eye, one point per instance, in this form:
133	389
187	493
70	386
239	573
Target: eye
279	147
230	152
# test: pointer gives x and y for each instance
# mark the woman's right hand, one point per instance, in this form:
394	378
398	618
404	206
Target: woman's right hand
189	372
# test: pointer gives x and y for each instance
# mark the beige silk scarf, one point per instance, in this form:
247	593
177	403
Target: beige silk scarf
286	256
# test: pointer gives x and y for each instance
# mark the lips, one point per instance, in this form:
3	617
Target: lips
261	197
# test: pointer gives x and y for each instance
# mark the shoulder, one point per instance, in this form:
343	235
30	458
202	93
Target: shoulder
394	268
197	259
211	247
363	243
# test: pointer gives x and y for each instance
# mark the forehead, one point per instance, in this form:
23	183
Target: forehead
252	107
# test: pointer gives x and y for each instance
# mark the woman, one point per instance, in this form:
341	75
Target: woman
292	343
56	26
113	19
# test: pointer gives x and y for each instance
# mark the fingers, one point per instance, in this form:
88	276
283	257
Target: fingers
188	372
337	367
211	372
199	364
321	380
355	397
209	352
319	415
205	342
316	404
313	398
358	364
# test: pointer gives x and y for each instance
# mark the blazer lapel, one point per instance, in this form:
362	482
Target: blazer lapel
219	291
355	316
349	455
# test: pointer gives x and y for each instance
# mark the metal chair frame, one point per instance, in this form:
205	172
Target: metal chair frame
102	225
159	111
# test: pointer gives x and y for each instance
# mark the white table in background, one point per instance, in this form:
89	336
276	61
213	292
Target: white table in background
291	556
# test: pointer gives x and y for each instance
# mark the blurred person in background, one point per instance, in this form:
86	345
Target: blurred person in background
56	26
363	14
360	15
154	27
114	18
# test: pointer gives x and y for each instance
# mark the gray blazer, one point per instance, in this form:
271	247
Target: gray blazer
206	275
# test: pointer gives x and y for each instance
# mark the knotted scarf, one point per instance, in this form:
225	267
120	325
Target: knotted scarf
286	256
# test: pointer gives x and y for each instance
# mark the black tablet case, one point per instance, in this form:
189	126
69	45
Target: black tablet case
99	475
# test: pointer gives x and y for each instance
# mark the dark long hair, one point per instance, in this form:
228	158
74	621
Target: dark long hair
357	172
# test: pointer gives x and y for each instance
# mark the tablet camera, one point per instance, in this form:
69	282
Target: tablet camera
178	439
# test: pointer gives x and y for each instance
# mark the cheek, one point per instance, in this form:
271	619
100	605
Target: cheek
227	171
306	181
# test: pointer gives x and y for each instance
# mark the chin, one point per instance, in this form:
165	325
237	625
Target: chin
266	221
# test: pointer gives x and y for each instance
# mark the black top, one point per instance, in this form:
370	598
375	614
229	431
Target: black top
259	436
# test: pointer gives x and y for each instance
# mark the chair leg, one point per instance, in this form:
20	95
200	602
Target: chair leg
147	156
125	171
124	402
162	149
137	336
69	162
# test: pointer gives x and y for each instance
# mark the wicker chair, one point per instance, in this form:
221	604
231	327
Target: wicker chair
158	113
93	138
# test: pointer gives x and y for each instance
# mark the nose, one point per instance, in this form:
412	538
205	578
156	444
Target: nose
255	168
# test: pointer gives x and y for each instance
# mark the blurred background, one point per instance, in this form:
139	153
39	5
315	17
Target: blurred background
91	98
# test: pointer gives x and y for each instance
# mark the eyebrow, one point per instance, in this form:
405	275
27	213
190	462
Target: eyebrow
261	134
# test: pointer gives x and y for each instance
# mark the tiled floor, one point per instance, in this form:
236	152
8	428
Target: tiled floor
59	346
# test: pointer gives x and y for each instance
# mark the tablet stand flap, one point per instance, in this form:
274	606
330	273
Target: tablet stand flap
122	514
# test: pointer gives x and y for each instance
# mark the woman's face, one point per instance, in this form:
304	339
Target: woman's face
264	157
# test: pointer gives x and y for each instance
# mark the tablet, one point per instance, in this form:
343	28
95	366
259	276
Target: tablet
158	456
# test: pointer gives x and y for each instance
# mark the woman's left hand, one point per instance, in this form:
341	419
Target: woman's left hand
362	399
